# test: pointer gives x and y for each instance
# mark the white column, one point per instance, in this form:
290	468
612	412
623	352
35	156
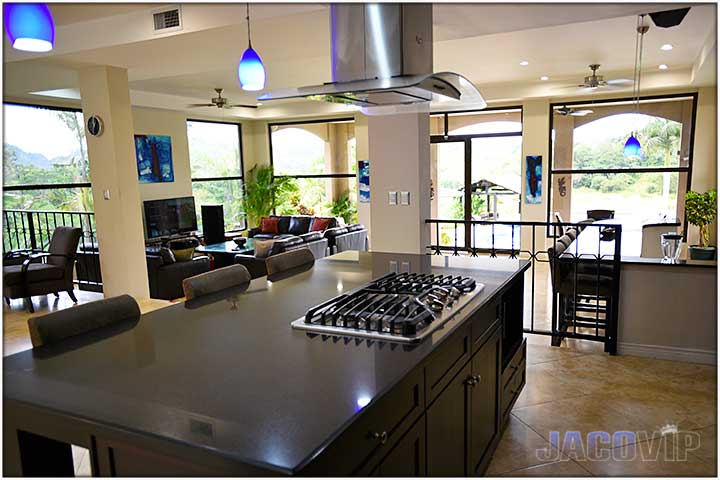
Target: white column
113	174
535	142
400	162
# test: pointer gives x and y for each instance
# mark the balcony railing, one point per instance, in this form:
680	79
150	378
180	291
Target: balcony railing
574	293
33	229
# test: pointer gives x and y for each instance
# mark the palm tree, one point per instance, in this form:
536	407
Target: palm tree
664	135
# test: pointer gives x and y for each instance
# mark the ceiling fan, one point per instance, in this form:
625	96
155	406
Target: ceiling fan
594	81
220	102
565	111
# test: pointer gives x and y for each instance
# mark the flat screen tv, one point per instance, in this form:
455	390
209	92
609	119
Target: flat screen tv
170	216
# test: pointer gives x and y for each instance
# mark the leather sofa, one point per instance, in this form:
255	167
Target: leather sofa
339	238
164	277
313	241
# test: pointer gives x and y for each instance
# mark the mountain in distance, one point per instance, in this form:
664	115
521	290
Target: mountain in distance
36	159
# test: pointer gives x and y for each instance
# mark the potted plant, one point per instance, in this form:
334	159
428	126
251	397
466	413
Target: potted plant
701	211
344	208
264	192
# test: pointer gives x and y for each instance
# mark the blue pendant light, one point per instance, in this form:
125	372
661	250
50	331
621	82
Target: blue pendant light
251	71
29	26
632	146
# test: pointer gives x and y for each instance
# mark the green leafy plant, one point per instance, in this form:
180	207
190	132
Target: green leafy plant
701	211
344	208
264	191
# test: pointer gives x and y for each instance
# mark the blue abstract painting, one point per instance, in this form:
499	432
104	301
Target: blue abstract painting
533	179
364	181
154	158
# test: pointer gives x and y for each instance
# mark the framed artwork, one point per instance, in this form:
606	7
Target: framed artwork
154	158
533	179
364	181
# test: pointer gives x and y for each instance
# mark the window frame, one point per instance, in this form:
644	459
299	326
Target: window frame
570	171
45	186
467	139
270	125
240	177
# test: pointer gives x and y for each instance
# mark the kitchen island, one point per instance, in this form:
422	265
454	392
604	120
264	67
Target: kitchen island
225	387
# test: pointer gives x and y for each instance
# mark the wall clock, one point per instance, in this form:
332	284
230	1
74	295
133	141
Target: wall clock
95	126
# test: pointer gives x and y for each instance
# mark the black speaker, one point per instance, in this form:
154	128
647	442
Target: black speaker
213	222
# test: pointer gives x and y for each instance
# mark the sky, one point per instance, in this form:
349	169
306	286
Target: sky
38	130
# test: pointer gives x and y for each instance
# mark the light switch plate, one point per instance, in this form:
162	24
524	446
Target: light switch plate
392	198
106	194
405	267
393	266
404	198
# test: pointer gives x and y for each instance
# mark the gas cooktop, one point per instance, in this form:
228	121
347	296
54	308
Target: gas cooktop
400	307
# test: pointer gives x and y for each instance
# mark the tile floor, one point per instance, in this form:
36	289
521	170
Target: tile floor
578	388
575	387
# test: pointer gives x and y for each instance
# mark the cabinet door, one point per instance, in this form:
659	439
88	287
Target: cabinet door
484	407
407	458
446	428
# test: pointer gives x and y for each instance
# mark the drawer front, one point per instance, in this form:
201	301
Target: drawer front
446	362
372	435
513	388
516	361
482	322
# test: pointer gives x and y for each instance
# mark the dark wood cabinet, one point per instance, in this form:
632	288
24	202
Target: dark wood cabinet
407	457
484	406
447	421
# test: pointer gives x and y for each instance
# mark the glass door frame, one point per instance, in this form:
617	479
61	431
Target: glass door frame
467	141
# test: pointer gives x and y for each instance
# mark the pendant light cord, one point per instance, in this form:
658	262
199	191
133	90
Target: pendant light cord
635	70
247	18
642	36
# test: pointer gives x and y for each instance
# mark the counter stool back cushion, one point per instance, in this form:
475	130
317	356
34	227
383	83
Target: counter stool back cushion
215	280
54	327
289	260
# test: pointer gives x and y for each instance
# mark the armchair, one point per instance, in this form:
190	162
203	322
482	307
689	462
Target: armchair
46	272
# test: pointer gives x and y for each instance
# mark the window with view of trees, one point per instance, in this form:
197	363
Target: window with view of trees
320	157
589	170
216	167
45	160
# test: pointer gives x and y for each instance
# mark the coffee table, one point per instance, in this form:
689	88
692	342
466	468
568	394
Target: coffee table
224	253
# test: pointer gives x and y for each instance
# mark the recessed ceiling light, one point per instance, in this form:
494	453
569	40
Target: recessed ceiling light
666	47
544	77
662	66
524	63
259	104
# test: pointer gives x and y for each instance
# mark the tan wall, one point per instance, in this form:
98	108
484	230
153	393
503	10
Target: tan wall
704	170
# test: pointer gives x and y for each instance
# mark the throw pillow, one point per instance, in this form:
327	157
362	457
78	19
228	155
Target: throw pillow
167	256
262	248
269	225
299	225
320	224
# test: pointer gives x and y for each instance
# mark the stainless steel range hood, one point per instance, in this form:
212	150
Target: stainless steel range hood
382	61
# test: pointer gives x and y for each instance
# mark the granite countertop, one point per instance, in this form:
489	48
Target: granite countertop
262	393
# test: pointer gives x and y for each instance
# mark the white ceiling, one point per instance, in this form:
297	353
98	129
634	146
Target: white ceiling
484	42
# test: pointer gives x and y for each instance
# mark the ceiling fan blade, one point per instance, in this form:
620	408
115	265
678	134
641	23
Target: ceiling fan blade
581	113
584	89
193	105
619	81
237	105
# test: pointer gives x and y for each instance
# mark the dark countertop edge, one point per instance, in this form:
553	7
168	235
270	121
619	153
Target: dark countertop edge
470	312
221	453
631	260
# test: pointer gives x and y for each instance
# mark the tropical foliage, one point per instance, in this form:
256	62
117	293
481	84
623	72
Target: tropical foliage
264	192
344	208
701	211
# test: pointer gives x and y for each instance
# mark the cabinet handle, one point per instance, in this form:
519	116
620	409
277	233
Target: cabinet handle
471	381
382	436
478	379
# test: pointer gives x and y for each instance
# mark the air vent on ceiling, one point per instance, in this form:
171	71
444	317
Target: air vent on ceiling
167	19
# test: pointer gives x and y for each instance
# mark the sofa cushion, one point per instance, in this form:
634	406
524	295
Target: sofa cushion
284	244
320	224
262	248
355	227
284	235
166	255
299	225
283	223
269	225
37	272
311	236
334	232
263	236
